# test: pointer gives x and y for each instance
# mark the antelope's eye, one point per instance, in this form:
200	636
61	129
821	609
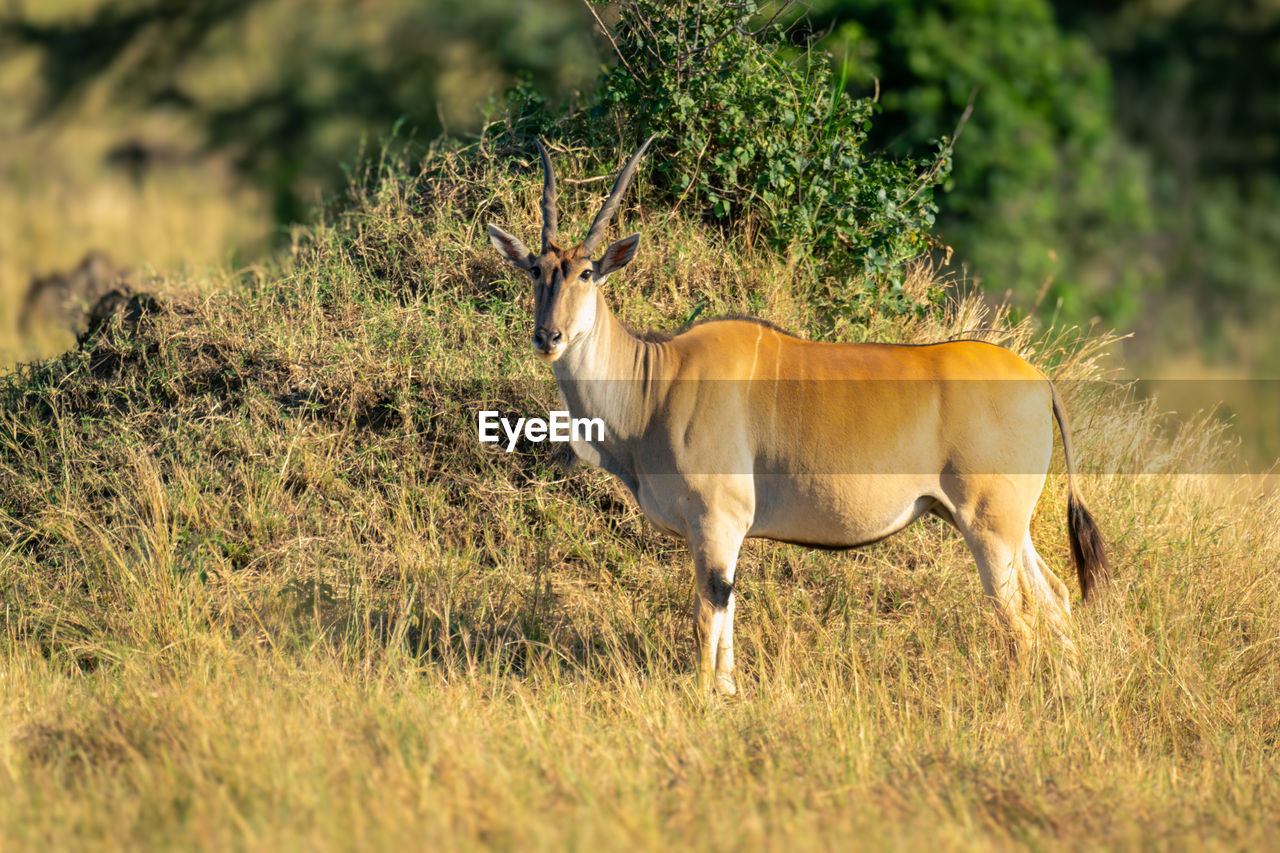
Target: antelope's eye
586	274
536	272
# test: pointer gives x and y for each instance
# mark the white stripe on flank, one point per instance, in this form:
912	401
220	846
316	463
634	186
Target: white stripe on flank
755	356
777	371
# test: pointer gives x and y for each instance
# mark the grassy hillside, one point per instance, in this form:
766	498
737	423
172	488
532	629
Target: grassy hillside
262	587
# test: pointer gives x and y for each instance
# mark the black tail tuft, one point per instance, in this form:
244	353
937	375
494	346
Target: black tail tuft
1087	549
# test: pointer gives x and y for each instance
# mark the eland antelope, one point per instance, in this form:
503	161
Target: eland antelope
735	429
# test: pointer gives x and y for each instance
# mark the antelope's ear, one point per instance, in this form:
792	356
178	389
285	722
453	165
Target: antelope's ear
510	248
617	256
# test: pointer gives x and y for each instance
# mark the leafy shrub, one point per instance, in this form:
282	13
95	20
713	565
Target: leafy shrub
762	141
1047	195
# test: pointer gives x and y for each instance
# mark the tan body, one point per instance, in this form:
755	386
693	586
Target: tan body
734	429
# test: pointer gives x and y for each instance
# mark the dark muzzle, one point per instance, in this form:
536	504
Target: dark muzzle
545	340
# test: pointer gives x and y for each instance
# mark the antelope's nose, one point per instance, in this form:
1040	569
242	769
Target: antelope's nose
545	341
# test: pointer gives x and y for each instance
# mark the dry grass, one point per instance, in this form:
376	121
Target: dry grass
263	588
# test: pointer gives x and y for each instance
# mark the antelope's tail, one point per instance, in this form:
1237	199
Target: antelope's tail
1088	551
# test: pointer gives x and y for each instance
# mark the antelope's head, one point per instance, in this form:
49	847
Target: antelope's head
565	279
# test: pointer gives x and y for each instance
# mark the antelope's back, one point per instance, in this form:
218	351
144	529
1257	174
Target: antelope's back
827	408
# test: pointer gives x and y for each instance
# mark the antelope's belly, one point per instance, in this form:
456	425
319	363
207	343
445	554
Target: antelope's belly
839	510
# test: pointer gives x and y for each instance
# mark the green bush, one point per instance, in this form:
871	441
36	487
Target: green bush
761	141
1047	199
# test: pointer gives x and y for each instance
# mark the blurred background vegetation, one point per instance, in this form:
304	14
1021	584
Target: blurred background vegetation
1122	157
1121	160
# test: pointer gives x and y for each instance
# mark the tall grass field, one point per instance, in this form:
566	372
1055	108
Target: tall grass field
263	588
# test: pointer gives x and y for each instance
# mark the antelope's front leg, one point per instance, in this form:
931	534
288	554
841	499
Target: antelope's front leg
714	564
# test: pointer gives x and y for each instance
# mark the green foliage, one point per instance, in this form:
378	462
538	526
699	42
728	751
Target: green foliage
758	140
1195	88
1045	192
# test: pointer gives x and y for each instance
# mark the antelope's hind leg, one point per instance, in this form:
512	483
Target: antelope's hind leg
999	558
1049	593
715	560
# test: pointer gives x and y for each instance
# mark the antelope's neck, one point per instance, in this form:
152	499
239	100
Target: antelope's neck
609	374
